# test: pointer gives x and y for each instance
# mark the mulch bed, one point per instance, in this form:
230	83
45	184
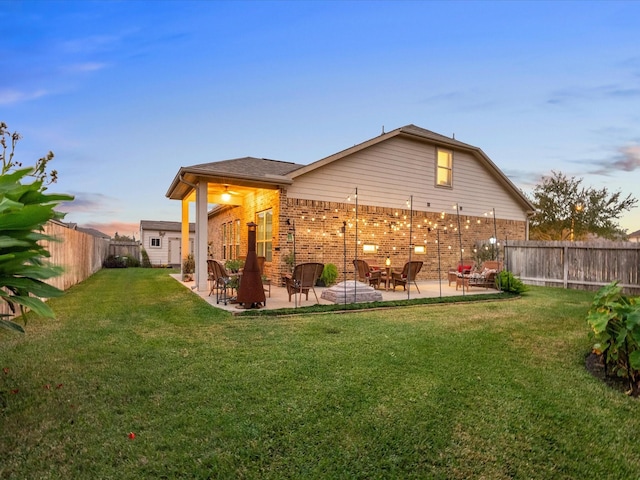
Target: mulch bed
595	366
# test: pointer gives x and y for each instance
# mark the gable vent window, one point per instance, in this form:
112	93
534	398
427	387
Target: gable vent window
444	168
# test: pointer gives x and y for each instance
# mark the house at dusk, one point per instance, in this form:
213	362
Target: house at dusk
406	192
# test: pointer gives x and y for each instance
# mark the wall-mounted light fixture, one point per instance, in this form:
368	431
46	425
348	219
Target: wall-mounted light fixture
422	249
369	248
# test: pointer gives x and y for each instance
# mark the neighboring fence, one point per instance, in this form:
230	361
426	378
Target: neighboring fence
577	265
125	249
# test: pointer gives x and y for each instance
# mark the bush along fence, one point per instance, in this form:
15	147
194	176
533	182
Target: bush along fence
576	265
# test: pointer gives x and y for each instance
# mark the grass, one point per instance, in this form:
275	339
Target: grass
486	390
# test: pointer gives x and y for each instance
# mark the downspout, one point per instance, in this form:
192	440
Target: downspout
181	178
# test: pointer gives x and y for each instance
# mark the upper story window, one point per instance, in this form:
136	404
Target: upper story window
154	242
264	240
444	168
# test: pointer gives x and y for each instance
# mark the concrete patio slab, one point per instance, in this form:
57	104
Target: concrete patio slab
280	299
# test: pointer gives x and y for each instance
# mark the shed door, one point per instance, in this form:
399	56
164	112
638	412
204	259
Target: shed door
175	250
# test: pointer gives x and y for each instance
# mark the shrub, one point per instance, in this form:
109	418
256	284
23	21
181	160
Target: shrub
614	319
329	274
114	261
507	282
131	261
146	263
24	210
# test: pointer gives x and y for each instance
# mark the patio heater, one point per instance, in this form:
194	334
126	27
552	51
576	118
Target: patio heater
251	292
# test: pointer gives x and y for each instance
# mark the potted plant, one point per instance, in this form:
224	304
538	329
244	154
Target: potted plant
234	265
329	274
290	260
188	268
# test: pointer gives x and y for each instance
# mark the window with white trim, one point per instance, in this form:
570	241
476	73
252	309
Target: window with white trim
154	242
224	240
264	234
231	240
237	237
444	168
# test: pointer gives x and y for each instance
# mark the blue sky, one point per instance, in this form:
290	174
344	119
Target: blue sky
124	93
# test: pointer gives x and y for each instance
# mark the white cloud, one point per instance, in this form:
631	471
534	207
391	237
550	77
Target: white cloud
9	96
85	67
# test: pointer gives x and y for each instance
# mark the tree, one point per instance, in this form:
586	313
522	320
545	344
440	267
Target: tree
123	238
566	210
24	210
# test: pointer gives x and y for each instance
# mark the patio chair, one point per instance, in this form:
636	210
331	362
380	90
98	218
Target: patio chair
303	279
366	274
408	274
221	280
485	278
465	267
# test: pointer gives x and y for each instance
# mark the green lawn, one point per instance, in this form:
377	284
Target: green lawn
485	390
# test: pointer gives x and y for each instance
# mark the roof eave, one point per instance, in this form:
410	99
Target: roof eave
187	177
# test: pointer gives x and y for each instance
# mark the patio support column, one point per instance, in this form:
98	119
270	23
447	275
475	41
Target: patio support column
201	236
184	240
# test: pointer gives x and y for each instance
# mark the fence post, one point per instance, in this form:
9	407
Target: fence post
565	266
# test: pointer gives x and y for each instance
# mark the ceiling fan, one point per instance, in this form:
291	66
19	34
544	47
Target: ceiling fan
226	195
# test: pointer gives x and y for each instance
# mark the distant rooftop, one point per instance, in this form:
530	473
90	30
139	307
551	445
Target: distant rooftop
164	225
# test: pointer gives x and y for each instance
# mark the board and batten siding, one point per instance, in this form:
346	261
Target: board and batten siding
386	174
161	255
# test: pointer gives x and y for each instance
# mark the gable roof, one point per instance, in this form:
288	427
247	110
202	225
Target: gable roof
265	173
635	234
246	171
163	225
421	134
89	231
93	232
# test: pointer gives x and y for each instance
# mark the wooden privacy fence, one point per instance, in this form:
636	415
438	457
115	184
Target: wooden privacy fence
79	254
578	265
125	249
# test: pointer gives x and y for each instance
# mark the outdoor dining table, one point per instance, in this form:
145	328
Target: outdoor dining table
387	276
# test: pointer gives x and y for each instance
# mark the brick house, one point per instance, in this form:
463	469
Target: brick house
408	191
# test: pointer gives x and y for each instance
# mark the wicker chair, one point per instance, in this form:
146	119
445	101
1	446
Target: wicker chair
408	274
366	274
220	280
303	279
